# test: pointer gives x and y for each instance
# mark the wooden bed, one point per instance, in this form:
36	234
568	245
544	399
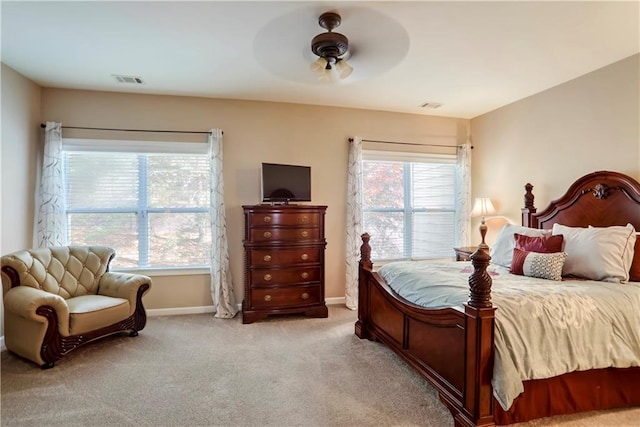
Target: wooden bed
453	348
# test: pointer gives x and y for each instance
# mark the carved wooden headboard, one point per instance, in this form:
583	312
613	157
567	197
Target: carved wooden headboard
599	199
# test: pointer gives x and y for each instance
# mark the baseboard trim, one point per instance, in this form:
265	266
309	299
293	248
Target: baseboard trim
176	311
335	301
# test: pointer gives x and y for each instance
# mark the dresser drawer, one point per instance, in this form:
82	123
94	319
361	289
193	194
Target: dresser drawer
275	276
271	257
273	234
284	297
283	218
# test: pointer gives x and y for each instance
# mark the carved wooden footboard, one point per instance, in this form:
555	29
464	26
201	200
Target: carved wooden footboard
453	348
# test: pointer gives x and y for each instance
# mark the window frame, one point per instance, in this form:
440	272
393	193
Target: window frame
407	210
142	149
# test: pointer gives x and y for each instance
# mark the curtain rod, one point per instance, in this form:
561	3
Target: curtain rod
42	125
409	143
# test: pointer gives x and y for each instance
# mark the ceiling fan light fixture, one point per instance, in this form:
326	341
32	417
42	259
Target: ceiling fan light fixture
318	65
344	70
330	48
326	75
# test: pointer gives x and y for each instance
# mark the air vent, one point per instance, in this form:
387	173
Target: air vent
128	79
431	105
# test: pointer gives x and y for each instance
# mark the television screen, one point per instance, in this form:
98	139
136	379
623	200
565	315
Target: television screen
285	183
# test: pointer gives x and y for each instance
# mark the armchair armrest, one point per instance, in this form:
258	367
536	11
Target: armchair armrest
25	300
122	285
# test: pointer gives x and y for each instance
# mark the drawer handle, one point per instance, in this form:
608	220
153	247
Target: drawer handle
305	257
305	233
305	296
304	219
267	277
267	219
267	234
305	275
267	297
267	258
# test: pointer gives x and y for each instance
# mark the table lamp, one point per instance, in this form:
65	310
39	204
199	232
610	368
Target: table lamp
483	207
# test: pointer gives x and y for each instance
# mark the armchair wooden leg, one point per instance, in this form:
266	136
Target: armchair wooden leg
54	345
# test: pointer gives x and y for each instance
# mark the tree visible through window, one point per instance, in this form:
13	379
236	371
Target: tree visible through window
152	208
409	208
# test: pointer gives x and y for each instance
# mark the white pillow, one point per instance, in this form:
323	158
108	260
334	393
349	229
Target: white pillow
598	253
502	250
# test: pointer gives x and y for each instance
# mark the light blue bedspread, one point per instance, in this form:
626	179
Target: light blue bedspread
544	328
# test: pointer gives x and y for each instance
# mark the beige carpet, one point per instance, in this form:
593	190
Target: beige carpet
196	370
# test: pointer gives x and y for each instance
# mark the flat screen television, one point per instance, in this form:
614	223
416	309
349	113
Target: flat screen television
286	183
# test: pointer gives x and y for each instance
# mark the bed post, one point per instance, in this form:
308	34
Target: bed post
528	220
364	269
479	346
365	252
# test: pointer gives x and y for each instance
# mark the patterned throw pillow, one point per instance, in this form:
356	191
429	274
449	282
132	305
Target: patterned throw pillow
534	264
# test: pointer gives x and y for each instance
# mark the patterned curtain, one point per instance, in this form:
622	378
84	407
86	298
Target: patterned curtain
221	285
354	221
50	224
463	196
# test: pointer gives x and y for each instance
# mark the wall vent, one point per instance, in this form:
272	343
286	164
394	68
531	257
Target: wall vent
431	105
128	79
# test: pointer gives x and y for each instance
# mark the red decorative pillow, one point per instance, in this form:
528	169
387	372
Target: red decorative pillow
541	244
517	262
634	272
535	264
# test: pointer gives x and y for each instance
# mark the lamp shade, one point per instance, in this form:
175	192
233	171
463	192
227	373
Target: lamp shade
483	207
326	75
318	65
344	70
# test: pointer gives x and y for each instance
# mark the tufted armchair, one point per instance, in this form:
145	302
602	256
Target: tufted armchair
57	299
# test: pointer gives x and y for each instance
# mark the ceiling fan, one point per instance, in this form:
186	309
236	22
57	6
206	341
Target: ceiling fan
331	49
367	52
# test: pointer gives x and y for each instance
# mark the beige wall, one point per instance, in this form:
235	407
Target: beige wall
20	136
254	132
552	138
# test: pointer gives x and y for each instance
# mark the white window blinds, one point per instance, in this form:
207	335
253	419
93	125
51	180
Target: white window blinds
153	208
409	205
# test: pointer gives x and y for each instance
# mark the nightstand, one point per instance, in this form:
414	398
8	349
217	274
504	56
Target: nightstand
464	254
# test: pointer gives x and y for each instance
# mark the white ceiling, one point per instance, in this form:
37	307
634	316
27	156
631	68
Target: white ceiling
472	57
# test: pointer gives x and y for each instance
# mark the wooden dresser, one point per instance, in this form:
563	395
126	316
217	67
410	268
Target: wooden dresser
284	261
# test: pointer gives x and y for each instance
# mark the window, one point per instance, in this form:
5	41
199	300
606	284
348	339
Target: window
153	208
409	205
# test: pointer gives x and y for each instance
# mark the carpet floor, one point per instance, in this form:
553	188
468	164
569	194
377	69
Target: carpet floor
195	370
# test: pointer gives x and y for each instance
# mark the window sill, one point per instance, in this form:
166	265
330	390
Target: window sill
175	271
